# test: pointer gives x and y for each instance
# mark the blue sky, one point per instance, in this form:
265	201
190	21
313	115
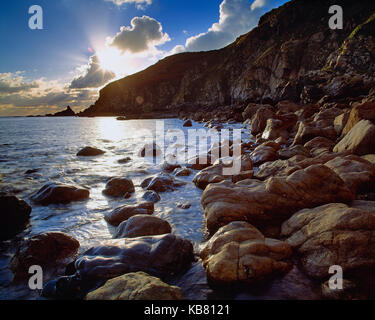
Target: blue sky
85	44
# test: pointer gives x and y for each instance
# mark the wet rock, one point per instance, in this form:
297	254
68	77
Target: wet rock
243	175
184	205
188	123
151	150
14	216
274	200
159	256
136	286
32	171
142	225
239	253
118	187
200	162
124	160
125	212
328	115
359	140
46	250
57	193
333	234
121	119
90	152
169	167
357	173
162	182
183	172
151	196
370	158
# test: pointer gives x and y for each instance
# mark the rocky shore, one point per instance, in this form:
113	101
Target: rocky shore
303	202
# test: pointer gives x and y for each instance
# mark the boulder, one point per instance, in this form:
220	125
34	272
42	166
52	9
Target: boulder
15	214
290	152
239	253
90	152
46	250
274	200
252	109
162	182
151	196
57	193
369	158
159	256
333	234
308	131
340	122
151	150
124	160
364	111
243	175
125	212
274	130
182	172
262	154
259	120
118	187
328	115
142	225
319	142
357	173
135	286
169	167
359	140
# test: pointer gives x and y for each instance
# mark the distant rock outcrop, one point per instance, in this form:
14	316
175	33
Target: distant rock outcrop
68	112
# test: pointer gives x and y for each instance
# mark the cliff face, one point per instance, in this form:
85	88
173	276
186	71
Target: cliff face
292	54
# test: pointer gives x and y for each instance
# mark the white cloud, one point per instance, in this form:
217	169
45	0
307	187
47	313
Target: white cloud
237	17
144	34
140	4
14	82
94	76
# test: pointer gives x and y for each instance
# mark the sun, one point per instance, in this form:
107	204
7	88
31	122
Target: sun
111	59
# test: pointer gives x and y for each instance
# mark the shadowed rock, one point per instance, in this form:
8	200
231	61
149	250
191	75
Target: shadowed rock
57	193
46	250
240	253
119	187
142	225
14	215
90	152
136	286
127	211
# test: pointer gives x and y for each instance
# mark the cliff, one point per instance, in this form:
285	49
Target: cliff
292	54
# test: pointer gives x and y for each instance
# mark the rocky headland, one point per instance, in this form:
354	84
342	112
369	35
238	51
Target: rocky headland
304	200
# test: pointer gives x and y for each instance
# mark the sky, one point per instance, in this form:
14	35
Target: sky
86	44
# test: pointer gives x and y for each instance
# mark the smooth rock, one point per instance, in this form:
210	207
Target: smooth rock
118	187
125	212
90	152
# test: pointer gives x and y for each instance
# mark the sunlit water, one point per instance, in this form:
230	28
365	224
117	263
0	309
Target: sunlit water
50	145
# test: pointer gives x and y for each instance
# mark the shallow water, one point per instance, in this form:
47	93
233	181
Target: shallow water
49	145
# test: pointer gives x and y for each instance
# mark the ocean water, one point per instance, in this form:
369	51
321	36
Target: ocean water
49	146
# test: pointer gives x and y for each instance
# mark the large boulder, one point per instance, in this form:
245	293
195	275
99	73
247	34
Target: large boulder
239	253
263	153
291	152
90	152
135	286
118	187
46	250
357	173
359	140
274	200
159	256
125	212
319	142
15	214
310	130
151	196
340	122
57	193
333	234
142	225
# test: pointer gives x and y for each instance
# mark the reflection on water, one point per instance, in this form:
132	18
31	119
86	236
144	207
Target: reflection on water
48	146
